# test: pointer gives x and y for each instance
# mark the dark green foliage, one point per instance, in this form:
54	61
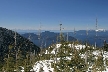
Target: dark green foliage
105	46
76	63
9	65
11	56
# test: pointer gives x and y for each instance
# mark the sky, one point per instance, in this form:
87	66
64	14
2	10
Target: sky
48	14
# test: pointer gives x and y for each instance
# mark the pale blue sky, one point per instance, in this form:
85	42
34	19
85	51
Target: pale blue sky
27	14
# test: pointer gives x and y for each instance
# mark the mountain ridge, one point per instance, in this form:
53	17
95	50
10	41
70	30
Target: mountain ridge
45	39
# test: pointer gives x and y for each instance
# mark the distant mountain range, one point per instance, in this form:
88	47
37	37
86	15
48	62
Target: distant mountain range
46	38
91	36
21	31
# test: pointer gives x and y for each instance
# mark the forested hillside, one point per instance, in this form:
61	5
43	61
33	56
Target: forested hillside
15	50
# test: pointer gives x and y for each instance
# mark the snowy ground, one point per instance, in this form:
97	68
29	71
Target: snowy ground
43	66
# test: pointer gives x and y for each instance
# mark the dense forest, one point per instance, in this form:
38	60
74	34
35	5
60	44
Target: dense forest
15	51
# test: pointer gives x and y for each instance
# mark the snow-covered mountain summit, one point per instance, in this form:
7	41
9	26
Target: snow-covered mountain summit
69	57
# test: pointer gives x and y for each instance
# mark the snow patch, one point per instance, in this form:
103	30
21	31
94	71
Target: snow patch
44	65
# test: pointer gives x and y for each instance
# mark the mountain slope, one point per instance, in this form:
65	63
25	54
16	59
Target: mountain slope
11	51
